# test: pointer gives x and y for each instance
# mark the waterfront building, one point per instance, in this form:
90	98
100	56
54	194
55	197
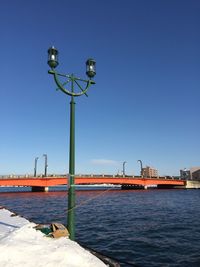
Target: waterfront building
196	175
149	172
185	174
190	174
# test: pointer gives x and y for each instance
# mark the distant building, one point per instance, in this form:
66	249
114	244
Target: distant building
185	174
190	174
149	172
196	174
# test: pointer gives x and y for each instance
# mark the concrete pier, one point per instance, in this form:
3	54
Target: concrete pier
192	184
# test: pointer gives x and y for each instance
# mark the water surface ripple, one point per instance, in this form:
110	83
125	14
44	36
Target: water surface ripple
143	227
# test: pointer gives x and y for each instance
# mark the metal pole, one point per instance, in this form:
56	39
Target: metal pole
45	165
141	167
35	168
71	186
124	168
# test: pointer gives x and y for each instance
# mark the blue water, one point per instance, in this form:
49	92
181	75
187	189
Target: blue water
142	227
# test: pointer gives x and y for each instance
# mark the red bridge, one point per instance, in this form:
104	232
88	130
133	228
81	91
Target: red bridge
42	183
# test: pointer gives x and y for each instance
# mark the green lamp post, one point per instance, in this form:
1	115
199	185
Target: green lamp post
82	85
141	167
45	165
35	168
123	171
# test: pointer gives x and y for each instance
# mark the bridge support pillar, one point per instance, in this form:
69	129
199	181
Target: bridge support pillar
40	188
131	186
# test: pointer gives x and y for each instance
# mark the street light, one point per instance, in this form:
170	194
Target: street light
90	68
78	83
141	167
45	165
124	168
35	166
53	57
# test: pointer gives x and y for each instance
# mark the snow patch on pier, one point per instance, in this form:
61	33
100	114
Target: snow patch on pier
21	245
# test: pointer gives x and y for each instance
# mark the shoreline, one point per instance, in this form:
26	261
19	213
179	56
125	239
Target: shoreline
22	245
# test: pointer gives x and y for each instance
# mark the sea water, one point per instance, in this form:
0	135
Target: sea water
136	227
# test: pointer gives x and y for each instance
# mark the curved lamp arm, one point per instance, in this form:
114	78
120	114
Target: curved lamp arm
72	79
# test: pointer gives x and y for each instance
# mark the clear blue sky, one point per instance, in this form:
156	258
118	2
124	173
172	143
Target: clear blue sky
145	104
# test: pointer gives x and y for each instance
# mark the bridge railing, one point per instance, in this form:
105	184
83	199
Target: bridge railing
22	176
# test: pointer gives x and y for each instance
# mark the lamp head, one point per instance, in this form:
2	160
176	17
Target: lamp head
91	68
52	57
